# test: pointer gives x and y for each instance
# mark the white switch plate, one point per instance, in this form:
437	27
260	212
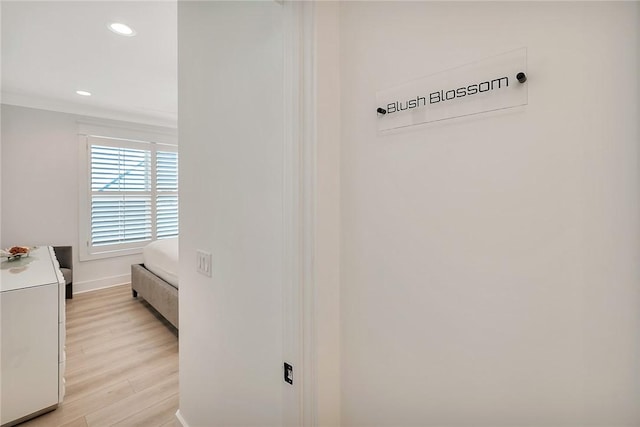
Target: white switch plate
203	262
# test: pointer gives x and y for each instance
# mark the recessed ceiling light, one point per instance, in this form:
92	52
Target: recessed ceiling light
83	93
122	29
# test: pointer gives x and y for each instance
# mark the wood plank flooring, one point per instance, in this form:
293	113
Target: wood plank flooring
122	364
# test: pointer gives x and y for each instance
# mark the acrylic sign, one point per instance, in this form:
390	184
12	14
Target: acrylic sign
491	84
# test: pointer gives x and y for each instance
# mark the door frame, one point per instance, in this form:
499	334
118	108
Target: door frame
299	207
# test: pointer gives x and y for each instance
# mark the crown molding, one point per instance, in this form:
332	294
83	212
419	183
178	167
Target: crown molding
169	120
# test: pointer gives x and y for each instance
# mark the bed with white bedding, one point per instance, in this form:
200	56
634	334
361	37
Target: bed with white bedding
157	279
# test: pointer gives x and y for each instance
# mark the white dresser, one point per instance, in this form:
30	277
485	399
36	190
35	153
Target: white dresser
32	307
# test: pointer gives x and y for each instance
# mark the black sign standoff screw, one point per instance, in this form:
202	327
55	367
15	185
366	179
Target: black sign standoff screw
382	111
522	77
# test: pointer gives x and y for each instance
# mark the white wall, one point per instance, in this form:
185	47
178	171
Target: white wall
40	191
490	265
231	205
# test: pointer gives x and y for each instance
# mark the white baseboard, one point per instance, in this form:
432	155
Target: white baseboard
181	419
106	282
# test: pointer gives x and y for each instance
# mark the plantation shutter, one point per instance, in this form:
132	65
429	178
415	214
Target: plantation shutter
167	194
133	193
121	195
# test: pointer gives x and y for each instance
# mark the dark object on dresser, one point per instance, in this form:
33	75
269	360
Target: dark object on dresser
65	259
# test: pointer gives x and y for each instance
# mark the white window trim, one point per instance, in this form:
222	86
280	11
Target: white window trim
145	137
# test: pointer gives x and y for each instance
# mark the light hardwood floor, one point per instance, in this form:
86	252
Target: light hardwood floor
122	364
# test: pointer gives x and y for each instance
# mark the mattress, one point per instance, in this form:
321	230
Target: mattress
161	258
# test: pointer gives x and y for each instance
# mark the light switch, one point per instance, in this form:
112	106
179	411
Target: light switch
203	262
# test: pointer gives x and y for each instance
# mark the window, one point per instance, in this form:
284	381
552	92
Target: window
131	195
167	194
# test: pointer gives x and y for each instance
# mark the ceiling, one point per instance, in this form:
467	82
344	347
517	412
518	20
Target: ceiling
51	49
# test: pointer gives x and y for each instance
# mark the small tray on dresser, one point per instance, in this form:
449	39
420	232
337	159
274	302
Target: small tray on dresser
15	252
